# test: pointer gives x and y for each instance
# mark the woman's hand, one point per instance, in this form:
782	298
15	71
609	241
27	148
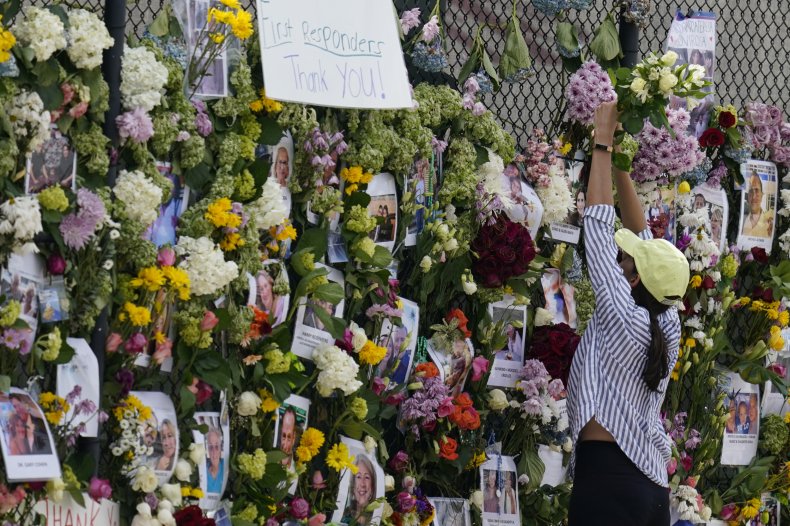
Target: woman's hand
605	122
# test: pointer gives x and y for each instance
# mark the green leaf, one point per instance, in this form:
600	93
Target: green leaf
198	177
606	43
489	68
334	326
515	57
271	132
187	401
160	27
76	495
633	124
65	355
567	37
313	240
622	162
47	73
469	67
5	383
50	95
533	466
332	292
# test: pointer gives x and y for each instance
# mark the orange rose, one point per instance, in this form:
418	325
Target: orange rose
447	447
427	370
464	400
458	314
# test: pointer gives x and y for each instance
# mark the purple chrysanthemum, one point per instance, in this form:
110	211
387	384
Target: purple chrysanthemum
587	89
91	207
76	231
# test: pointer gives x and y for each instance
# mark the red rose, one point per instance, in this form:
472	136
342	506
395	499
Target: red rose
447	447
711	137
708	283
759	255
459	315
192	516
726	119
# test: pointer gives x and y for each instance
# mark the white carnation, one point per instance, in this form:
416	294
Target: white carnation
21	216
785	210
556	197
88	38
205	264
145	480
183	470
143	79
42	30
338	371
165	518
29	121
140	196
248	404
269	209
543	317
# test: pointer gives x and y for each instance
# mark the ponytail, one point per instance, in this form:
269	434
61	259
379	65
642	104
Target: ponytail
657	364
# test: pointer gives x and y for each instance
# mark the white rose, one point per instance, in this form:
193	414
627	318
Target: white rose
669	58
667	82
477	499
470	287
172	492
386	511
166	518
197	453
248	404
370	444
426	263
497	400
183	470
143	517
442	231
638	84
145	480
543	317
451	245
358	336
389	483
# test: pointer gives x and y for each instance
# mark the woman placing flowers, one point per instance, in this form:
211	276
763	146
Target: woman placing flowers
621	369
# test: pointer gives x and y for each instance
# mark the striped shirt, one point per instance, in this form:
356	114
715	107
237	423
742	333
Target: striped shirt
606	376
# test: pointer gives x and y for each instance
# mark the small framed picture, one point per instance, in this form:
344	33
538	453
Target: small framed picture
161	433
450	512
54	162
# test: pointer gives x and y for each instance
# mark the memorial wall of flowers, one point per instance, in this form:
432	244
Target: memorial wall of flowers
316	315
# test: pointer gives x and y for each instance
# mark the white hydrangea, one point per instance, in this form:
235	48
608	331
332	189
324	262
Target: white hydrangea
269	209
556	197
140	196
205	264
29	120
42	30
88	38
20	220
338	371
143	79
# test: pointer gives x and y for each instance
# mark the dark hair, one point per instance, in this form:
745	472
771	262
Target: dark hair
657	365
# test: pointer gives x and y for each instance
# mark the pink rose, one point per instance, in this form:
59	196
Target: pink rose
479	368
406	501
166	257
378	386
672	466
209	321
99	489
68	92
56	265
728	512
136	344
163	351
687	462
395	399
113	342
446	408
300	508
400	461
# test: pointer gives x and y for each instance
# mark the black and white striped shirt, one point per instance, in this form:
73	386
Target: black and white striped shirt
606	376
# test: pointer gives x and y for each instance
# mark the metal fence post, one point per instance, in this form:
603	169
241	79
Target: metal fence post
629	42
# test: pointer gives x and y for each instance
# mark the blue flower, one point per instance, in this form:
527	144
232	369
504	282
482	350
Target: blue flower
431	58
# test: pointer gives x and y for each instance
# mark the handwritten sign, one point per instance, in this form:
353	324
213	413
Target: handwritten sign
344	54
69	513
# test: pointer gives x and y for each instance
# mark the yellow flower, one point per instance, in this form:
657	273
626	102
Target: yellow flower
684	187
787	421
217	38
220	17
196	493
138	316
371	354
476	460
744	300
185	491
355	174
696	281
179	281
775	341
241	24
159	337
783	318
150	278
256	105
751	509
231	242
338	458
233	4
565	148
7	41
310	444
350	189
285	231
219	214
268	403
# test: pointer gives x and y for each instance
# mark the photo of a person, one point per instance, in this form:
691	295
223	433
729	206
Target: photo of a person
577	216
742	421
215	465
163	230
491	492
400	342
526	207
168	442
699	202
421	173
395	343
708	60
450	512
282	165
729	426
361	492
460	364
383	206
559	297
311	319
54	162
696	57
287	435
26	430
716	222
267	301
514	345
508	499
758	218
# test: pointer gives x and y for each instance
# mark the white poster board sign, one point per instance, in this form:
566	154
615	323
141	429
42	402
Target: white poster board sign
103	513
345	55
82	370
742	429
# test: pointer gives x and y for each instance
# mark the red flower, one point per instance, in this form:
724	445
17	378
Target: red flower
711	137
726	119
554	346
447	447
504	250
458	314
759	255
708	283
192	516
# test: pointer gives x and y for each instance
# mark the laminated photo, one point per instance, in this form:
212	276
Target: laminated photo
384	207
53	301
454	363
288	429
163	230
770	508
499	484
213	473
742	428
400	342
283	165
215	83
162	323
660	212
83	371
526	207
330	178
29	452
559	297
358	490
450	512
161	433
309	331
776	402
713	202
53	163
758	205
509	360
420	184
21	280
268	291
